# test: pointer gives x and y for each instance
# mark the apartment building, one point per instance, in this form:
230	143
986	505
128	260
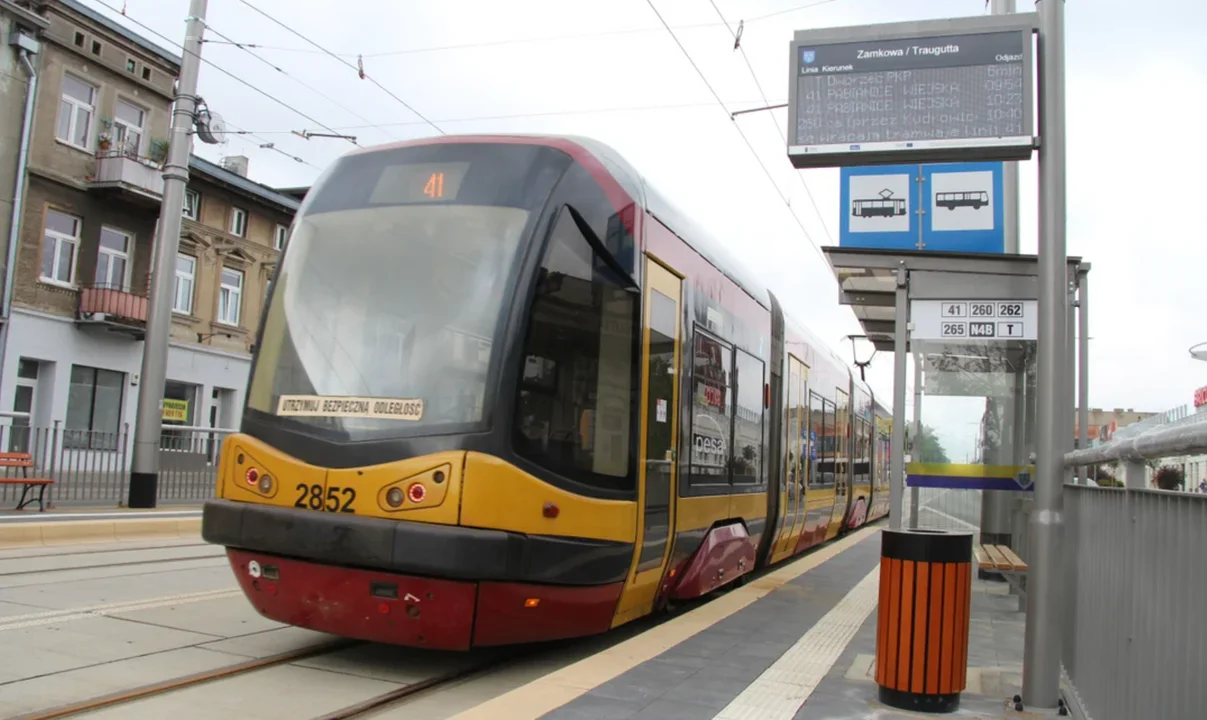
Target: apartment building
86	241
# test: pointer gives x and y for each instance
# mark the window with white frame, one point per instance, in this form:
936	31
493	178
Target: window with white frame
238	222
76	108
128	123
192	204
113	259
279	238
186	276
60	247
94	409
230	297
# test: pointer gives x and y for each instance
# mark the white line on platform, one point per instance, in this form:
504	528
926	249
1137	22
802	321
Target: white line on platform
782	688
127	515
49	617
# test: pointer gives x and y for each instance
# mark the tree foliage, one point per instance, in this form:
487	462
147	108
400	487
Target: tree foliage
1169	477
928	448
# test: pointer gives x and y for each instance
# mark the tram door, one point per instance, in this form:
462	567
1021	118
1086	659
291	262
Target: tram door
658	471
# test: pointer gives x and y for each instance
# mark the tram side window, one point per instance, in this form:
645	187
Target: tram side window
578	389
821	471
748	421
711	411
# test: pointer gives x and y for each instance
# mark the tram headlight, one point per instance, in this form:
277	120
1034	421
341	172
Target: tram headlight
265	484
394	497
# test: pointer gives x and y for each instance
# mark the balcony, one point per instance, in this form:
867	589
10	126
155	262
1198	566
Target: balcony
129	175
112	309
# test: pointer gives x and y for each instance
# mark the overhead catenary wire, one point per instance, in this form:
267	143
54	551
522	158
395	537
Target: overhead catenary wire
359	70
759	86
745	139
524	116
211	63
266	144
309	87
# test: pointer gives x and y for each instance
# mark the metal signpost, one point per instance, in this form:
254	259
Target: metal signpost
952	91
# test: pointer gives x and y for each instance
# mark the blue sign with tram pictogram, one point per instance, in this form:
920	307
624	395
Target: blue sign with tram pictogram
944	207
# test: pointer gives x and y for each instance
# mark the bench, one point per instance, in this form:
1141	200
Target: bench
1004	561
25	462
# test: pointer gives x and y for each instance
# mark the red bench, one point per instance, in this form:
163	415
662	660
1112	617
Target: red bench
25	462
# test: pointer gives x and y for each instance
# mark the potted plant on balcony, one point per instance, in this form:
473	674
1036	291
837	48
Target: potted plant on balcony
103	141
159	150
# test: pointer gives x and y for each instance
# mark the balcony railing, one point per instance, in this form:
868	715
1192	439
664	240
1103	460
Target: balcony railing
104	303
125	170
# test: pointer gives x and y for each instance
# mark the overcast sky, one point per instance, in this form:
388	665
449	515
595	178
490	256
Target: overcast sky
610	70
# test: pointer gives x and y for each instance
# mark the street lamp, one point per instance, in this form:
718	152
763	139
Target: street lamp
1199	352
862	365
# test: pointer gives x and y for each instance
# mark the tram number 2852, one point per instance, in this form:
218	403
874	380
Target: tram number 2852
337	499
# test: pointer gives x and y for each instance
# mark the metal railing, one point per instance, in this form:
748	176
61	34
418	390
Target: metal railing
1135	636
92	468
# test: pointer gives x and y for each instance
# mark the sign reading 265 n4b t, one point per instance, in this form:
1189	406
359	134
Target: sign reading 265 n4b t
921	92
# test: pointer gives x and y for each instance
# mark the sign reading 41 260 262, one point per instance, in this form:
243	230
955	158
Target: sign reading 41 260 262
959	320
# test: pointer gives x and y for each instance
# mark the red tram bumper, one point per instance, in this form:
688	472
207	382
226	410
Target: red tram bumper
417	584
417	611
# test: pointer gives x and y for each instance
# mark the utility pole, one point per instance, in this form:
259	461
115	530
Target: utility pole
144	469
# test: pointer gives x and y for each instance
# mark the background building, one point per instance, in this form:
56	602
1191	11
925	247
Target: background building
87	231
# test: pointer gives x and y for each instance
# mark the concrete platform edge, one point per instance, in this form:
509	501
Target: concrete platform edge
82	531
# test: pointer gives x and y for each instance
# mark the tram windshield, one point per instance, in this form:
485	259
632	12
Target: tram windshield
400	265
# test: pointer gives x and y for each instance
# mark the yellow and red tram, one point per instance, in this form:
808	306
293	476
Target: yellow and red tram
504	392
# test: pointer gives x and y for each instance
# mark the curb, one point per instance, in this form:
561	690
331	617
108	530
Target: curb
96	531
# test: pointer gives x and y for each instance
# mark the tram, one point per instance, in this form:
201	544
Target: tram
503	392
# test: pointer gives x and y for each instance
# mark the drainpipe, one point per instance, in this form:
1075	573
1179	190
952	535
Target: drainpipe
27	47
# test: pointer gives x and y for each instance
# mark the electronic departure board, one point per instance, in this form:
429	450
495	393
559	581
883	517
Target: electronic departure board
922	97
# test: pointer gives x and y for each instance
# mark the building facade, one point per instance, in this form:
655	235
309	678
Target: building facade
84	259
20	32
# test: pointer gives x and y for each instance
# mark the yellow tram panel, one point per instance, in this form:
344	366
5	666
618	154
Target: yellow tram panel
748	506
500	496
439	475
242	454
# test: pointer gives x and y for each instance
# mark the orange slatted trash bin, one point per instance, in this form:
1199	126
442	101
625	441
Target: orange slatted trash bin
922	626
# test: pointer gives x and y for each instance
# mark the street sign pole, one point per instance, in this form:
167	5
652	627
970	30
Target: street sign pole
1041	653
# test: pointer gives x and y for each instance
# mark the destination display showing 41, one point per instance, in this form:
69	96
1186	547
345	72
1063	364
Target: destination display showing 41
941	91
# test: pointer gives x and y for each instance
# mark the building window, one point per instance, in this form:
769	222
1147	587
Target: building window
79	39
131	65
186	274
577	395
96	48
128	127
113	260
146	74
279	239
230	297
192	204
94	409
60	246
238	222
76	107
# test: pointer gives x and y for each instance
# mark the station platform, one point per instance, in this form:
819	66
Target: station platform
795	644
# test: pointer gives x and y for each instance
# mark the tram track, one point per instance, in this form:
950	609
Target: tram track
177	684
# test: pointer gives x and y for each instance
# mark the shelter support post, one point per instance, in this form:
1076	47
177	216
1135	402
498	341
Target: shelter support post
900	340
1083	364
916	447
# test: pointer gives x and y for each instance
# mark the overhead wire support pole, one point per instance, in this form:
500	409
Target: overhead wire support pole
1045	603
144	467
